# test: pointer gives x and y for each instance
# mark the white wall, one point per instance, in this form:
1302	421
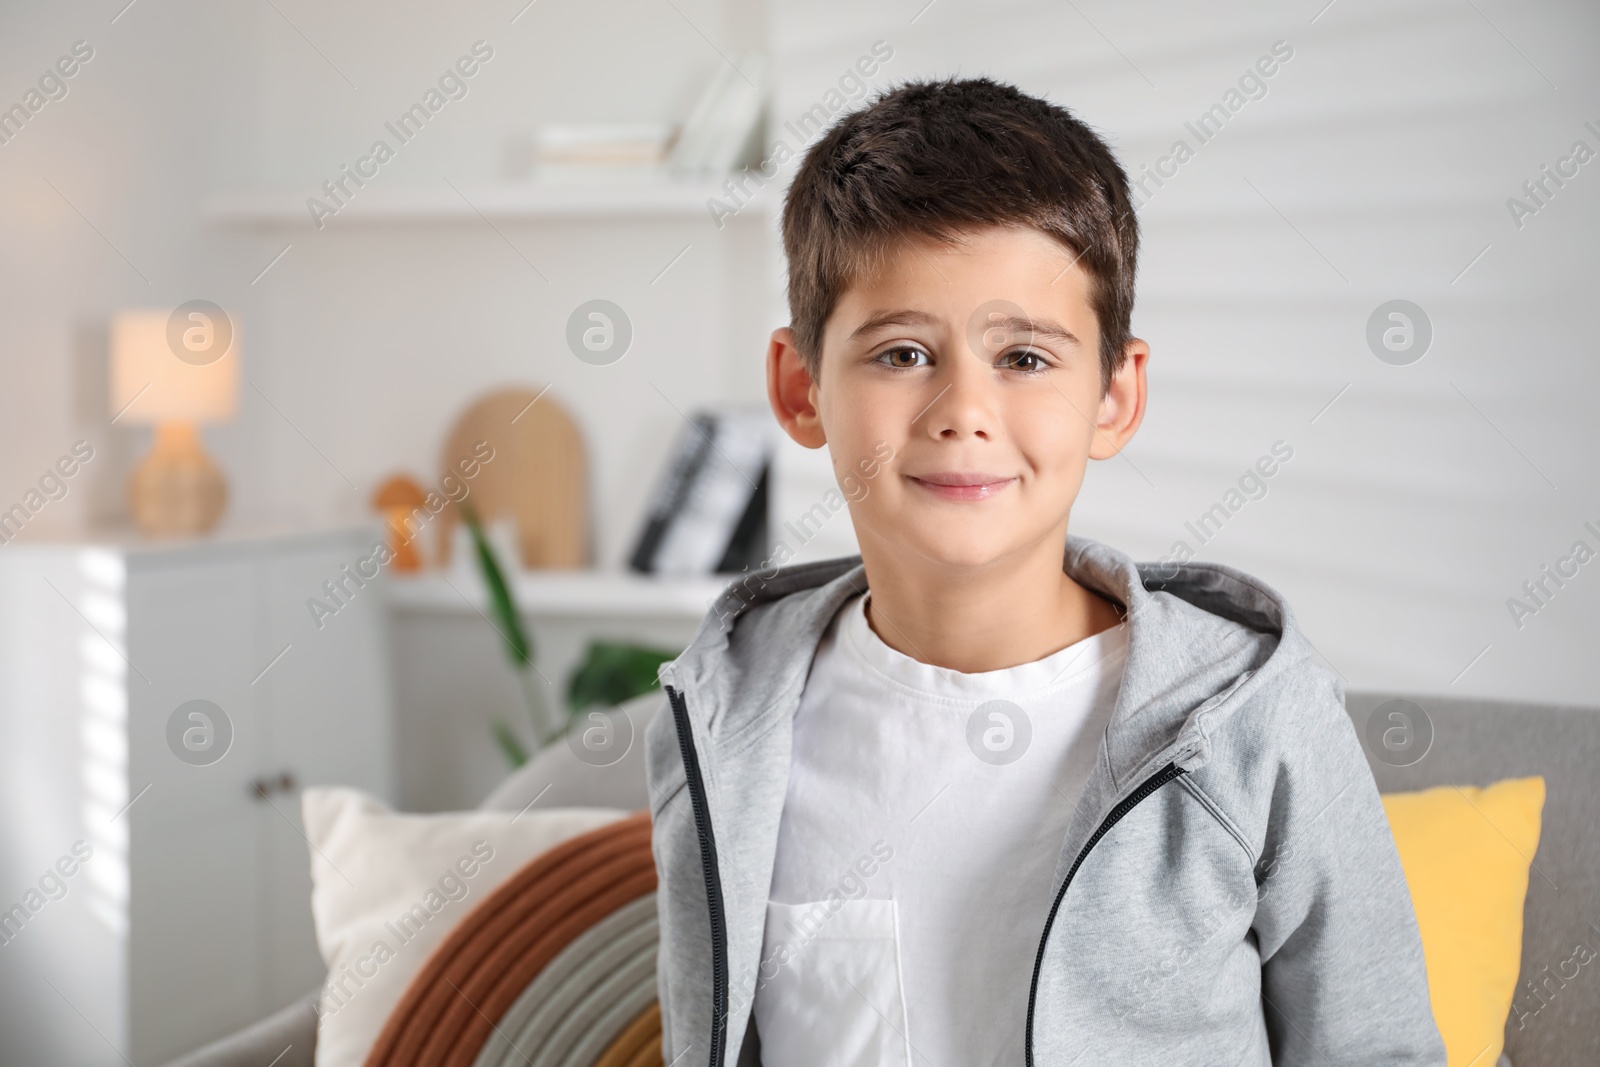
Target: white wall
98	211
364	342
1414	507
1423	499
372	338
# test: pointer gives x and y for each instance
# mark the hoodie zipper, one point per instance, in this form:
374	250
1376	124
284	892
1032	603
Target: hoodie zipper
1127	804
708	862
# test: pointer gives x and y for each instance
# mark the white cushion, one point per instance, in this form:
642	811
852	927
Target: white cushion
387	887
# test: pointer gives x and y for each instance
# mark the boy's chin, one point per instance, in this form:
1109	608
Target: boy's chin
955	550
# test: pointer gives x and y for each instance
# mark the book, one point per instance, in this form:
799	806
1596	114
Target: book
604	143
717	136
708	514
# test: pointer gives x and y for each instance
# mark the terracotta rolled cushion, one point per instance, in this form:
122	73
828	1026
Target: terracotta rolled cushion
584	997
637	1046
481	968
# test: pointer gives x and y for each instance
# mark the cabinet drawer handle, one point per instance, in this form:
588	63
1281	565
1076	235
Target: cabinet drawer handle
263	787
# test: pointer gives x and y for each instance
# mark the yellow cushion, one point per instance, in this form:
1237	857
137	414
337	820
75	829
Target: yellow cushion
1466	853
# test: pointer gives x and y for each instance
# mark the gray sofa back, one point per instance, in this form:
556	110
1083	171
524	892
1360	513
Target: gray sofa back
1555	1020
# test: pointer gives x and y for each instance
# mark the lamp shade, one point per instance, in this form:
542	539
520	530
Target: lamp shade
174	366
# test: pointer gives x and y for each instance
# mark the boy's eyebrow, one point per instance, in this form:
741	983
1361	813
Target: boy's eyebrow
904	317
1044	328
1012	324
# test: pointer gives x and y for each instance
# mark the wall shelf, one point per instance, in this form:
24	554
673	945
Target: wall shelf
607	199
617	595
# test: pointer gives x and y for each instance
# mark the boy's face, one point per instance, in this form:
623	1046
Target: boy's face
978	364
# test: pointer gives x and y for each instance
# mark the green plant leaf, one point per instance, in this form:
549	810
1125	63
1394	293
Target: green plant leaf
613	672
510	747
507	620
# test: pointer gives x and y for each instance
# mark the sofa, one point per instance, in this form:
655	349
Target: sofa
1478	742
1472	743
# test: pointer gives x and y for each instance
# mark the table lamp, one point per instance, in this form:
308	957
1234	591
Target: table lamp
174	370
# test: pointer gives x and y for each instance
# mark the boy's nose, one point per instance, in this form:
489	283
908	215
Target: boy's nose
964	404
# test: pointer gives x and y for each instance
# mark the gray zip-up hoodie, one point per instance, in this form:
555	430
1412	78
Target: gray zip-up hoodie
1228	891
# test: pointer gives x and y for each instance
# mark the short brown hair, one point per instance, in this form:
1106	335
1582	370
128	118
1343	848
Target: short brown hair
935	158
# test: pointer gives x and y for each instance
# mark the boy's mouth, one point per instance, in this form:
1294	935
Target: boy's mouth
962	485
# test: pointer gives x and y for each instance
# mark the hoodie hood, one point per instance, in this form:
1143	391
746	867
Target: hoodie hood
1202	637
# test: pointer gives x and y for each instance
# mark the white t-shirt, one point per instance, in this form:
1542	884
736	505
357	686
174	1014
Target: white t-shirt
920	833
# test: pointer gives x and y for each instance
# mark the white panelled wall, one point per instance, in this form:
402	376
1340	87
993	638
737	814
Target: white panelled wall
1376	166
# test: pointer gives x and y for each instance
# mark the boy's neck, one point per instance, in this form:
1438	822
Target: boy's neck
1005	614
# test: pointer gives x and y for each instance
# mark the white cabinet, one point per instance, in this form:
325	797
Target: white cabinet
192	915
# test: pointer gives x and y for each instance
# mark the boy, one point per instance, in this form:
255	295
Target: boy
991	794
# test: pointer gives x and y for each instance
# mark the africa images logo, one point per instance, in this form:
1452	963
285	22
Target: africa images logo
999	732
199	732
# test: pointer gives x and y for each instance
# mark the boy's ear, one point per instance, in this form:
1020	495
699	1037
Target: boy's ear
792	392
1122	408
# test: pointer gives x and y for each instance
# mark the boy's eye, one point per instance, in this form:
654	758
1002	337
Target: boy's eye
902	358
1023	359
